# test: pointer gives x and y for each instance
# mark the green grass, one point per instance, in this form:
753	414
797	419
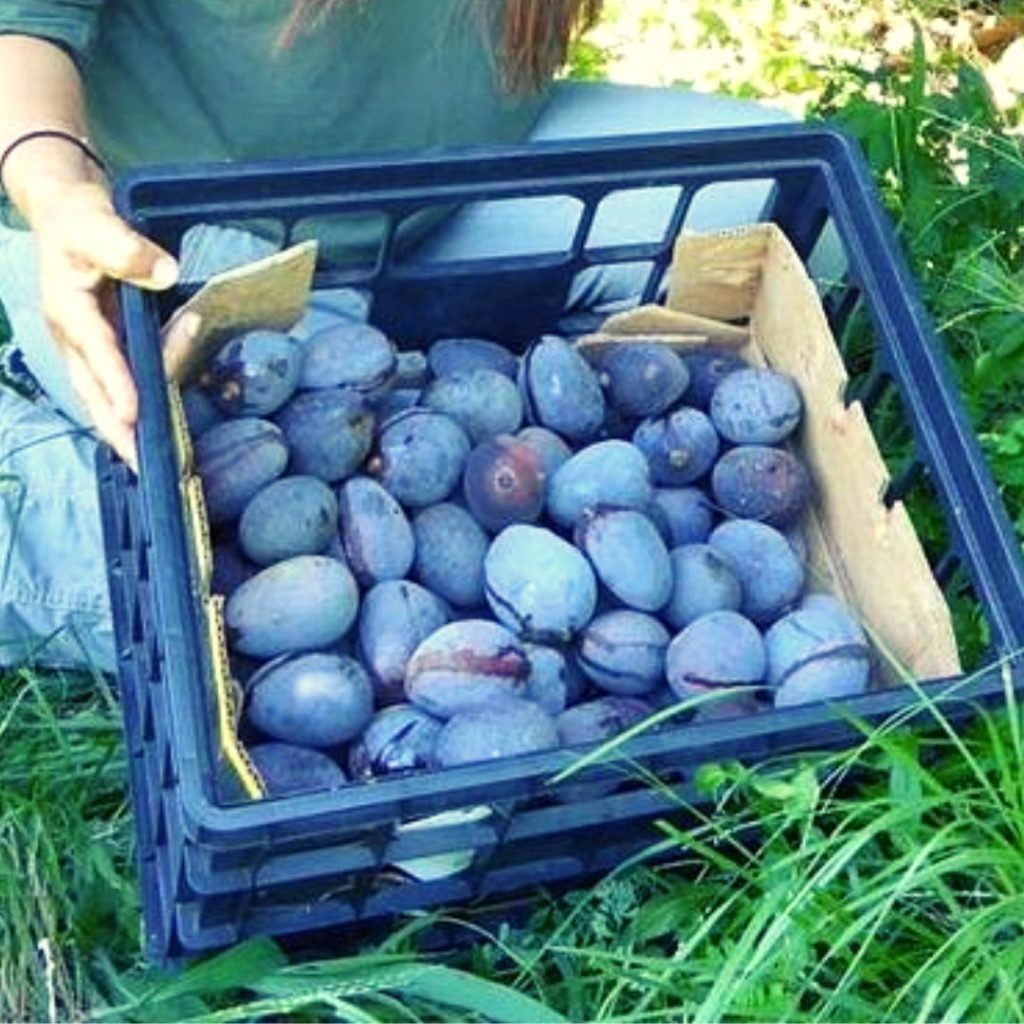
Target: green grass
68	901
896	897
882	882
950	167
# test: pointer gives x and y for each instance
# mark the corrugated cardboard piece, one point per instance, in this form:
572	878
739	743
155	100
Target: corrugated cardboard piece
679	331
271	293
858	548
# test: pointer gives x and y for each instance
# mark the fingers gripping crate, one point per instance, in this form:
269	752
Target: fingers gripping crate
216	870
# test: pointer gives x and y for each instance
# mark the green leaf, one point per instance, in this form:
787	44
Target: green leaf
710	779
240	967
1011	336
918	73
180	997
659	916
170	1010
974	96
344	977
775	789
905	774
496	1002
327	981
798	790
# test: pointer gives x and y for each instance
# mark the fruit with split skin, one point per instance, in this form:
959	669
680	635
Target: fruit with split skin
715	653
538	584
613	473
817	652
400	738
624	652
348	354
465	665
378	538
628	555
254	374
235	460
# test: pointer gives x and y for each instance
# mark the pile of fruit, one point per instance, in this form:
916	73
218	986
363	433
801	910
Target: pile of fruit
436	558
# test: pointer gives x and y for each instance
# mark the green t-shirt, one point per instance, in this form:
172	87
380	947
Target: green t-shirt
198	80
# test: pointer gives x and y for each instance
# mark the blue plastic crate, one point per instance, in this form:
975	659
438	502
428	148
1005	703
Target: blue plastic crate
214	872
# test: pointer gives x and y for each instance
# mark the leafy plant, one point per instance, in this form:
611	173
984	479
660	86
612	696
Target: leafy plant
951	172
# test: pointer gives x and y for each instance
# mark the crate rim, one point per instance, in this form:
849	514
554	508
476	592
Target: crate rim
483	156
711	738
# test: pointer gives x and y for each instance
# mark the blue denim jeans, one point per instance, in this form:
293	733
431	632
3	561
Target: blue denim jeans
53	594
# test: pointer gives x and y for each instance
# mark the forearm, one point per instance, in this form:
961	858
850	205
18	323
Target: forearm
82	246
40	88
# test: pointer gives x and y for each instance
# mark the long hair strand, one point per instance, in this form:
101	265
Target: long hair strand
534	41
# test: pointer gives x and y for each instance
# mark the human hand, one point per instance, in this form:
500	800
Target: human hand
84	248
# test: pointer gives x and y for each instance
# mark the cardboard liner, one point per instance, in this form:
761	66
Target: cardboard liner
228	696
858	548
228	702
719	275
677	329
180	437
198	530
271	293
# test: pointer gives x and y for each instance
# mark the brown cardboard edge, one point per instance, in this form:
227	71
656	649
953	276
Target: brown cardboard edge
857	547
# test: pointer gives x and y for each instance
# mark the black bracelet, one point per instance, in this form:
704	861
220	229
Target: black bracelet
53	133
